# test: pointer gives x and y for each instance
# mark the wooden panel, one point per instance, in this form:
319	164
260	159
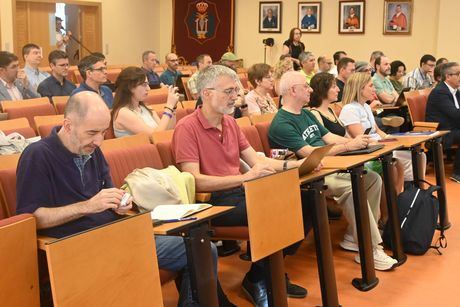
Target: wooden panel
39	32
274	218
18	256
114	265
21	28
90	29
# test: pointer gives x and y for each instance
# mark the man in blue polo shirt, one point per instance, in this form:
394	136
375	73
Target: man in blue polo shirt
64	180
57	84
94	71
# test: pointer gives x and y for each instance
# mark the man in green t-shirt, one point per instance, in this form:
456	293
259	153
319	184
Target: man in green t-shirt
298	130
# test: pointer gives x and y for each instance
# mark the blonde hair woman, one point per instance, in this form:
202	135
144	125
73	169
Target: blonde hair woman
283	65
357	116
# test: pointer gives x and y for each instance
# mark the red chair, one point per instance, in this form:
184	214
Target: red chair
7	192
263	128
19	125
157	96
30	112
252	135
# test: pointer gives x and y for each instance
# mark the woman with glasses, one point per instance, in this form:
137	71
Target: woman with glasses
130	115
259	100
294	47
398	71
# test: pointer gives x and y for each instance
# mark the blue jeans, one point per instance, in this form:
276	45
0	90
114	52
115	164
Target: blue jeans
172	257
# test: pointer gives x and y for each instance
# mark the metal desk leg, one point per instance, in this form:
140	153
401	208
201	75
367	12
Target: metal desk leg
416	165
275	280
201	267
393	215
368	280
438	158
315	196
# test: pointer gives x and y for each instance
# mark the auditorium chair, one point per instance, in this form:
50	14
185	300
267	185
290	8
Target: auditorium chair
184	81
45	124
243	121
125	142
157	96
252	135
187	104
112	74
19	125
18	256
30	112
78	77
8	192
162	136
263	128
8	104
417	107
267	117
59	103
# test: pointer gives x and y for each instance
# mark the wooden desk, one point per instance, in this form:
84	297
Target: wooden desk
354	165
313	189
413	143
199	259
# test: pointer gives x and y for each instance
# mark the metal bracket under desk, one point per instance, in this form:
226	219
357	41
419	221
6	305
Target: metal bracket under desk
200	264
438	158
393	214
368	280
314	191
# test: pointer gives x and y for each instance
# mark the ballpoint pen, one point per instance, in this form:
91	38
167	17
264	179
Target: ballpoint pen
179	220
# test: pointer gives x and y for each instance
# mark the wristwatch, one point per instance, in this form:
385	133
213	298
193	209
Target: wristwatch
285	166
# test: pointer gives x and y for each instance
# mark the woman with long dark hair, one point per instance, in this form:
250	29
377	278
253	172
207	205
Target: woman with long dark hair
294	47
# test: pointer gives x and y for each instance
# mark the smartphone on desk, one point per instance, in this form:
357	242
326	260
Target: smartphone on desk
368	130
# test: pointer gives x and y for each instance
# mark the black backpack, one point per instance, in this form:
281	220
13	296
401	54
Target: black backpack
418	218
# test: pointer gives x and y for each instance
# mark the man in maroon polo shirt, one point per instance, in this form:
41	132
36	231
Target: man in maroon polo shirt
209	144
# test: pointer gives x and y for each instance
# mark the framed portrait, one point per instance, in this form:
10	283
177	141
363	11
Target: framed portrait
309	17
270	17
397	17
351	17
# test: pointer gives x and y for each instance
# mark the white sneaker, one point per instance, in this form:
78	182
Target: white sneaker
382	261
349	243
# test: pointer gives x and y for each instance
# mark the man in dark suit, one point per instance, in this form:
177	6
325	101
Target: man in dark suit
13	81
443	107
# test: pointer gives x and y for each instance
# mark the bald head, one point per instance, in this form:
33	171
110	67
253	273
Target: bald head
172	61
295	90
82	103
288	80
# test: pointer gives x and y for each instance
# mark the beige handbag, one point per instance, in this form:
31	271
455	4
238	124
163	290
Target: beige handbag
151	187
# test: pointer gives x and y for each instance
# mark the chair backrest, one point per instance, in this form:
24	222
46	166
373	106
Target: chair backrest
267	117
187	104
78	77
46	123
181	113
157	96
18	256
125	142
30	112
112	74
184	80
8	104
426	91
243	121
336	107
162	136
7	192
411	94
244	80
166	154
417	107
9	161
159	108
59	103
123	161
252	135
113	265
262	128
19	125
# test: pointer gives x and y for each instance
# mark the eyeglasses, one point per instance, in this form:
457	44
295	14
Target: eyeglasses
268	77
174	60
144	84
101	69
455	74
229	91
63	65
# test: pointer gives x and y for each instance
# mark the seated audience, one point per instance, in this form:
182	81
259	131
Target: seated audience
421	77
307	62
282	66
374	55
94	73
130	115
357	116
149	62
398	71
324	64
337	56
443	107
64	181
230	60
441	61
57	84
259	100
170	75
202	61
209	145
383	87
437	74
363	66
32	55
298	130
345	67
14	84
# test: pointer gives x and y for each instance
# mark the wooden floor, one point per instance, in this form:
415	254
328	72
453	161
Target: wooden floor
428	280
